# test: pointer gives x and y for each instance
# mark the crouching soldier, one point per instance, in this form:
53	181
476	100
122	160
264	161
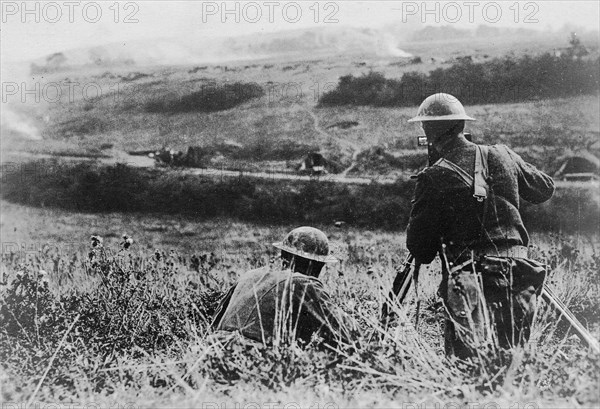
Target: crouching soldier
466	208
280	304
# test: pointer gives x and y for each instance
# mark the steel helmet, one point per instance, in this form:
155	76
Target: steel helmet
309	243
441	107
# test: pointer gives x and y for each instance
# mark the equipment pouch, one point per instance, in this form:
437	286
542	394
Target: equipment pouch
529	273
499	272
495	271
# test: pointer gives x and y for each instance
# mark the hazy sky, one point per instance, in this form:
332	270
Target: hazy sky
41	28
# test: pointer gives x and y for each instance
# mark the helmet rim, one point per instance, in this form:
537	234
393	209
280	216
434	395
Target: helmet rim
441	107
323	259
454	117
308	238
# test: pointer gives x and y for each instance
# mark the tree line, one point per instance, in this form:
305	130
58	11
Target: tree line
500	80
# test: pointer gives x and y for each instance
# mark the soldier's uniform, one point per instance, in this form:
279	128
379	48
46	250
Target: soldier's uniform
269	304
489	286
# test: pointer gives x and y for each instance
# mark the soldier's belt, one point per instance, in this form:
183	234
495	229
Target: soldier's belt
513	251
503	251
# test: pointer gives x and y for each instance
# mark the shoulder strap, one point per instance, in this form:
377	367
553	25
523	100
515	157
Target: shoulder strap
480	185
479	181
464	176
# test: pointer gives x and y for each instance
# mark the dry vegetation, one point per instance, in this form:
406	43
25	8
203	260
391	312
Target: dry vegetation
131	324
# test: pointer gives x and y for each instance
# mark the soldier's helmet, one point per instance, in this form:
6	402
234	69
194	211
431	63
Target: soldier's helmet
309	243
441	107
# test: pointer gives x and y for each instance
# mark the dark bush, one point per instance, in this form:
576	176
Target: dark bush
208	99
571	209
92	188
496	81
377	160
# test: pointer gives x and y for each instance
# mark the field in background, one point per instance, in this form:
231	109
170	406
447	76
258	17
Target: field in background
136	109
555	370
90	187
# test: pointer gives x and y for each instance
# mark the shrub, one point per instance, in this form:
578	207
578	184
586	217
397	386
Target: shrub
377	160
497	81
571	209
136	307
93	188
208	99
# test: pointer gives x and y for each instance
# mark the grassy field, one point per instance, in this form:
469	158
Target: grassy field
149	298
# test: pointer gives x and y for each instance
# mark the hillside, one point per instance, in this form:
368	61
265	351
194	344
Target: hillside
111	106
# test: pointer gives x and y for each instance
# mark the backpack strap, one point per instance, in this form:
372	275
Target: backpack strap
464	176
480	185
481	174
481	188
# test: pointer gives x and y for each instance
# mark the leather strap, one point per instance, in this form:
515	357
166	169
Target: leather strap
480	185
479	181
515	251
464	176
464	255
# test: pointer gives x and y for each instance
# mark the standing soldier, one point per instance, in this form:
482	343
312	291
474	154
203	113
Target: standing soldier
273	305
466	208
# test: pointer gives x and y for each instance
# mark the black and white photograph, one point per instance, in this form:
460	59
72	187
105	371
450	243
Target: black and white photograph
299	204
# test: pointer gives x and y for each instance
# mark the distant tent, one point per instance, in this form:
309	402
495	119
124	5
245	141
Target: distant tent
581	165
315	163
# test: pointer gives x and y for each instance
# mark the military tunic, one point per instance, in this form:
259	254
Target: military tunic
444	208
445	211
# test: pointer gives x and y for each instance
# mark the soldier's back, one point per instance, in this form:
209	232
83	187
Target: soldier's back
270	303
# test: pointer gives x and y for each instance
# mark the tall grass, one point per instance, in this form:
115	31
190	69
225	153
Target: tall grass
142	330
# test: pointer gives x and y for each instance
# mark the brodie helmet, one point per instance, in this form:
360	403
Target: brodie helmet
309	243
441	107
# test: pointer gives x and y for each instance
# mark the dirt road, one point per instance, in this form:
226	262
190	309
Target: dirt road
146	162
15	157
342	142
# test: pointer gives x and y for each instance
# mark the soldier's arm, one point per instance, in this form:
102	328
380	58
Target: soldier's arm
424	226
534	185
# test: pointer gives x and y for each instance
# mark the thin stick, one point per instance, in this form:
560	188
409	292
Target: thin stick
548	294
415	278
52	361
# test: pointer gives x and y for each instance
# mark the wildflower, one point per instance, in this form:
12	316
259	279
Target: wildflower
43	276
127	241
96	241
